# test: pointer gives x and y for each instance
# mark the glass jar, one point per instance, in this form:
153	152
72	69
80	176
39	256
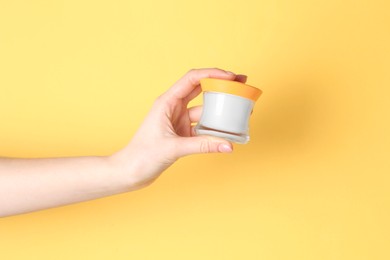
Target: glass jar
227	106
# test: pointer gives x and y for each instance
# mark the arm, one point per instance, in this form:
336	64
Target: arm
165	135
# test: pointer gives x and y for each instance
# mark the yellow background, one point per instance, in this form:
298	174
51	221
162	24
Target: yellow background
77	78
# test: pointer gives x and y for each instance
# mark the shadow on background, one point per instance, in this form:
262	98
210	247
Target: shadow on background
288	116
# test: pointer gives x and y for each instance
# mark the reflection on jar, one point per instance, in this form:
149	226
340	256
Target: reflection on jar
227	106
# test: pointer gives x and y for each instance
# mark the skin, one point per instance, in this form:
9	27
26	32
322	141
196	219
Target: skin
165	135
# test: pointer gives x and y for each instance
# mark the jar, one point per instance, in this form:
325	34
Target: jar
227	106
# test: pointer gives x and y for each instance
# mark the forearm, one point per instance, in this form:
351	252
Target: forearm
33	184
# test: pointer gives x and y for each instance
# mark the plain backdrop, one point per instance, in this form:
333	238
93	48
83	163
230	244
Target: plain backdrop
78	77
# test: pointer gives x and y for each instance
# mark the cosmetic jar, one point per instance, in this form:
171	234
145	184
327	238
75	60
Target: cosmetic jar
227	107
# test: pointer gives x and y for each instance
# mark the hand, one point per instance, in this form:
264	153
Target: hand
167	132
165	135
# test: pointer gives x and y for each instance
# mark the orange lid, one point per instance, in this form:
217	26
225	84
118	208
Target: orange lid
230	87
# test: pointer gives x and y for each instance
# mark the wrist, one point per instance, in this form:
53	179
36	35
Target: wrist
129	170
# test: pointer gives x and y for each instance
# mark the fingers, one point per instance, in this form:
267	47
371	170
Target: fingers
202	144
193	132
194	113
241	78
184	86
195	92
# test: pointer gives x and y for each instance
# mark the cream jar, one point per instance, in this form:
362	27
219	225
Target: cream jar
227	106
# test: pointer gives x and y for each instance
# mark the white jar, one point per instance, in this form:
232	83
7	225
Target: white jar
227	106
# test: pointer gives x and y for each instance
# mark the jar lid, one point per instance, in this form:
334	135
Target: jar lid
230	87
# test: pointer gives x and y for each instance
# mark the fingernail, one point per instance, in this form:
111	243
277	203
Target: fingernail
224	148
243	76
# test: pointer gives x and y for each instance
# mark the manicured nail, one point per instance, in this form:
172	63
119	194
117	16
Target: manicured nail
224	148
242	76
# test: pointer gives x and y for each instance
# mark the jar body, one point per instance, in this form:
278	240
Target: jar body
226	116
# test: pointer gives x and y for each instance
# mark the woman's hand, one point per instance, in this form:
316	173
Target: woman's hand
167	132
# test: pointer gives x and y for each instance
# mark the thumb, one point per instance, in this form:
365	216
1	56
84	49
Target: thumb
202	144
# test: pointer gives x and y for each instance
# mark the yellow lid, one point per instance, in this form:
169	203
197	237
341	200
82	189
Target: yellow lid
230	87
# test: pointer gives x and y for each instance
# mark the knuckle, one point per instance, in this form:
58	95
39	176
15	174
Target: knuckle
157	102
192	71
192	75
205	146
160	99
